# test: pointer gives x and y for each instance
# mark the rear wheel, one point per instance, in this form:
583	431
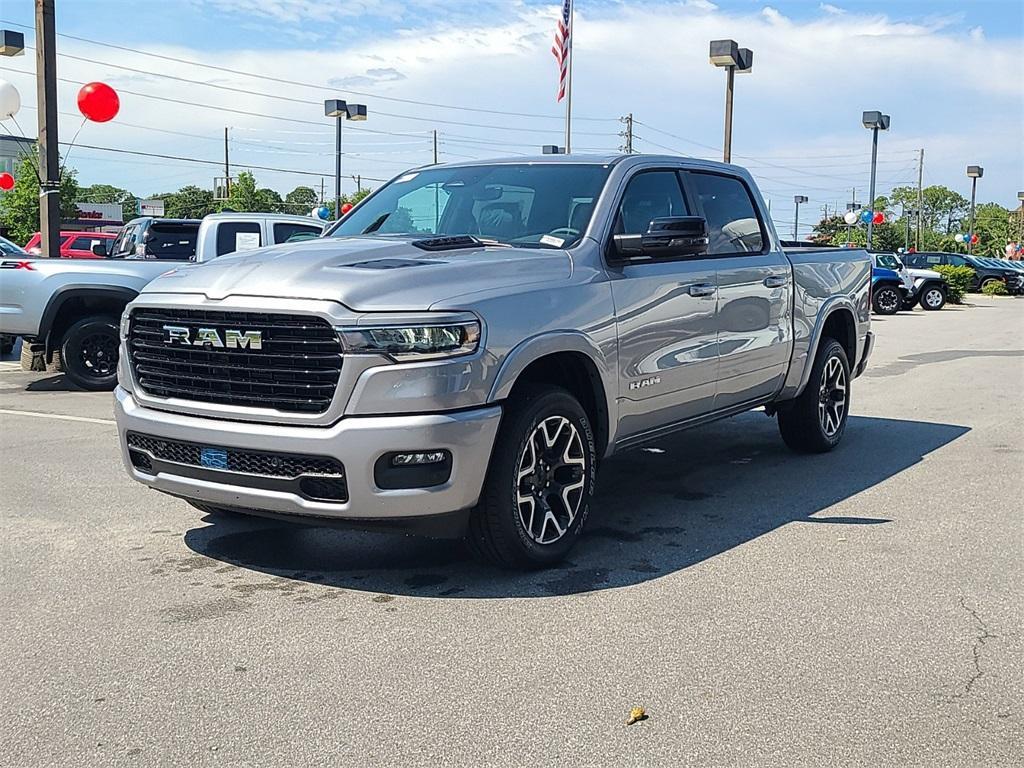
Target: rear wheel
988	281
816	420
539	484
887	300
933	297
89	353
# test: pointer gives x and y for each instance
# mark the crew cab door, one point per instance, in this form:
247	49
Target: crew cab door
665	314
755	290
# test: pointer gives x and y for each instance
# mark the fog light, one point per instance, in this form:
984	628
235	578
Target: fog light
414	459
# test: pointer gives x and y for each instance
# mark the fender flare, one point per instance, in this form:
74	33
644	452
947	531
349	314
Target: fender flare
67	292
830	307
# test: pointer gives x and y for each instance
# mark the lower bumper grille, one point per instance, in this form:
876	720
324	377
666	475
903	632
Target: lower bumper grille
319	478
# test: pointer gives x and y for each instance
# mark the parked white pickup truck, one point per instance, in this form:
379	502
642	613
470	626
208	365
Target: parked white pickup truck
68	310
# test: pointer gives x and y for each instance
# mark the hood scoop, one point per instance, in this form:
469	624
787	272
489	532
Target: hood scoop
387	264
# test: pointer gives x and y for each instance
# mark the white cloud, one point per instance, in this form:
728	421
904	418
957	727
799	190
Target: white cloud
832	9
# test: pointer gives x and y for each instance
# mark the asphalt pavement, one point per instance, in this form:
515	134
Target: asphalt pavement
767	609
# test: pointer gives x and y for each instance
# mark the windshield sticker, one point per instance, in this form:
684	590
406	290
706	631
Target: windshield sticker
552	240
407	177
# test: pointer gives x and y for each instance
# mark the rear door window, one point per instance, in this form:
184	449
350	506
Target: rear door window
284	231
235	236
84	243
172	242
733	223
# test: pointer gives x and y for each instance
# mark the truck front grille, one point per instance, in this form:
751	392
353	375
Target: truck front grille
296	368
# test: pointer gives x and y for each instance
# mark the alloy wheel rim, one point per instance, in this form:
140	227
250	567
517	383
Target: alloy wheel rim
550	479
832	397
933	298
99	355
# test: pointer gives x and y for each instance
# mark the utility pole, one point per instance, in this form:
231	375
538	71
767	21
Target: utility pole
358	179
628	133
435	146
227	166
321	190
49	157
920	199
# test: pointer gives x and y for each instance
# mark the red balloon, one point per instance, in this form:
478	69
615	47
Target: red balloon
6	182
346	207
98	102
879	218
974	239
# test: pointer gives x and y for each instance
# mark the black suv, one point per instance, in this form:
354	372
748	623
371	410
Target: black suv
985	270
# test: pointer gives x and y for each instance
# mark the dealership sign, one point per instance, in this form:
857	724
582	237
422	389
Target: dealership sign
98	214
151	208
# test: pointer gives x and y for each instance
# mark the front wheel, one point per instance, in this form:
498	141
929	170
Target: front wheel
89	353
816	420
933	298
539	484
886	300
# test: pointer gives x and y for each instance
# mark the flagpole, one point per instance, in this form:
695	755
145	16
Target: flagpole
568	83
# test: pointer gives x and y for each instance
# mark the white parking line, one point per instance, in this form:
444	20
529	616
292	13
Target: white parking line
59	416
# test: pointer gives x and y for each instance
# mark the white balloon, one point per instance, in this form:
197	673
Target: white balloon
10	100
851	217
959	238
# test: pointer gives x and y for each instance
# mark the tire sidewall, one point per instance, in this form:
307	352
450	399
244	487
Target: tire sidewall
72	359
518	430
924	295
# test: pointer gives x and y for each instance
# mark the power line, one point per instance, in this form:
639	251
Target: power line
284	81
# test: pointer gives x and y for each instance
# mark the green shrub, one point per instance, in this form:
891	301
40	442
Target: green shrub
958	281
994	288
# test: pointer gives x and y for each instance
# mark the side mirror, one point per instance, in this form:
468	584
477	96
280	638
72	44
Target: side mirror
99	249
667	237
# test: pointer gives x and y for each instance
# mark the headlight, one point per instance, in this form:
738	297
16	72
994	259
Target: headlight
126	320
413	342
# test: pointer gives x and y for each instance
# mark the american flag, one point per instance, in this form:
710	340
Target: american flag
561	47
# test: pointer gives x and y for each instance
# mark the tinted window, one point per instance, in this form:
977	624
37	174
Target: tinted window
124	243
238	236
649	195
284	232
532	205
171	241
84	243
733	225
958	261
888	261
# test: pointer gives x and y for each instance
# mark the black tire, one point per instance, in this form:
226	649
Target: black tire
89	353
7	344
801	420
933	298
886	300
988	281
503	528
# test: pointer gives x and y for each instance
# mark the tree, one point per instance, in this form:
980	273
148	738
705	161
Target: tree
19	208
300	200
105	193
992	226
189	202
245	196
353	198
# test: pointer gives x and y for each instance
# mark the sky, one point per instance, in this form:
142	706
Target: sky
481	74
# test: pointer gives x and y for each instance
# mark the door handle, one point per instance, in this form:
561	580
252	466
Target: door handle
702	289
776	281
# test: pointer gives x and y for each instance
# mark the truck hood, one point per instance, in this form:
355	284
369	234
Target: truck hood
924	274
366	274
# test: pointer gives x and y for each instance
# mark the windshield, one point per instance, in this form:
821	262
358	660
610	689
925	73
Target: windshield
532	205
888	261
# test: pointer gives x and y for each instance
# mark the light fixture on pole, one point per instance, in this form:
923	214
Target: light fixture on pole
552	149
875	121
797	199
974	172
11	43
340	110
728	54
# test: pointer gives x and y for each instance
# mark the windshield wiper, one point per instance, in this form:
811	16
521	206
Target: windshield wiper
377	224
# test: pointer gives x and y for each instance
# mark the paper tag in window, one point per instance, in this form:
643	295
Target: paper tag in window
557	242
247	241
407	177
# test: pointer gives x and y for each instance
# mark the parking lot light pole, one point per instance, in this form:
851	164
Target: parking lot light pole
728	54
974	172
340	110
797	199
875	121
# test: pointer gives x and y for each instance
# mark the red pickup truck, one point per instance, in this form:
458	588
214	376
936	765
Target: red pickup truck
73	245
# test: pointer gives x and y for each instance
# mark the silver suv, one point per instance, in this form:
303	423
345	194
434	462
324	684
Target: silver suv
460	351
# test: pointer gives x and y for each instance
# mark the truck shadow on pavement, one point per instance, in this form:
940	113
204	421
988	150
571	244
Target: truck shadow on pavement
658	510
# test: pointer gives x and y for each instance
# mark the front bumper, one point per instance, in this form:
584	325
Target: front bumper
357	442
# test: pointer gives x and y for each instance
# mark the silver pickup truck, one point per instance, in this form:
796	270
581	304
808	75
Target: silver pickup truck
461	351
67	310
